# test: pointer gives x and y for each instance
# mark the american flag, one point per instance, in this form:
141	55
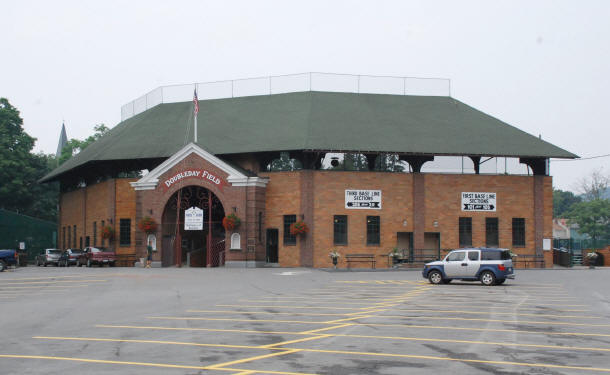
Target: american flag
196	102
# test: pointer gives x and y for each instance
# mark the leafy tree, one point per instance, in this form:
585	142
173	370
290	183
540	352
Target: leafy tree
74	146
592	217
594	186
20	169
284	163
563	202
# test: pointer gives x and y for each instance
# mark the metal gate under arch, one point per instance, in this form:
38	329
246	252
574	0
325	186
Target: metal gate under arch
200	248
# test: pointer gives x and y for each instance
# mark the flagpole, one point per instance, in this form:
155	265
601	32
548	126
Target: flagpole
195	113
195	128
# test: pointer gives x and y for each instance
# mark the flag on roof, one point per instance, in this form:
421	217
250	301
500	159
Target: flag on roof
196	102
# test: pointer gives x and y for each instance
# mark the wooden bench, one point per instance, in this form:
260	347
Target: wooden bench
360	258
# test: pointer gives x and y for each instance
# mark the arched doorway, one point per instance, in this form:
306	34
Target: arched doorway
195	248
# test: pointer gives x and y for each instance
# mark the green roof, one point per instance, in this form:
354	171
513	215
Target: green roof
326	121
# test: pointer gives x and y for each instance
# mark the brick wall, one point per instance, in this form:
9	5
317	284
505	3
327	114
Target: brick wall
283	197
96	203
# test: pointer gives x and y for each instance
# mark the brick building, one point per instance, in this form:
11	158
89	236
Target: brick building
275	160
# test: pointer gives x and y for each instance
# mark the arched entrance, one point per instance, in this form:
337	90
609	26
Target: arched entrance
195	248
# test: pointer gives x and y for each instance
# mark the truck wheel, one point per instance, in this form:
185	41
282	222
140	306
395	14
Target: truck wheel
488	278
435	277
111	264
2	265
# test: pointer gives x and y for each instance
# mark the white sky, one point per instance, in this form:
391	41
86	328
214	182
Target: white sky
541	66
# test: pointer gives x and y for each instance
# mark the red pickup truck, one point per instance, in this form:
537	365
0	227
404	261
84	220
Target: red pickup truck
96	255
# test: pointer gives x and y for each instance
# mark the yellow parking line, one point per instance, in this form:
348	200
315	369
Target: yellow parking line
55	282
516	307
491	320
348	319
235	320
318	302
413	356
402	338
149	342
499	313
315	332
2	288
148	364
272	346
250	359
265	313
199	329
297	307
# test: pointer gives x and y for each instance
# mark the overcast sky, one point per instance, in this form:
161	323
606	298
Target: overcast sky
541	66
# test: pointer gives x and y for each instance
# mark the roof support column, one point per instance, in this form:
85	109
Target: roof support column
416	162
419	209
476	160
370	161
539	165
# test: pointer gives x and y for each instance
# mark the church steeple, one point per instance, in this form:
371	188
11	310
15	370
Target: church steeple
63	139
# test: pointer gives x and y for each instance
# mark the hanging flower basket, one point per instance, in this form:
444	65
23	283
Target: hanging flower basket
298	228
108	232
230	222
148	225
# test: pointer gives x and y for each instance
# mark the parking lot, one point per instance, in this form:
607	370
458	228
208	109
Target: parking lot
299	321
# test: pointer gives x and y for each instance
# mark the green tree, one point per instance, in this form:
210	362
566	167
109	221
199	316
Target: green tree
592	217
284	163
20	169
74	146
563	202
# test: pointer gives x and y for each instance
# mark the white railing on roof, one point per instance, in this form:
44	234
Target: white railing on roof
330	82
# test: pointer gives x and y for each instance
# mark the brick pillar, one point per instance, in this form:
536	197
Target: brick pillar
538	214
306	209
419	206
140	237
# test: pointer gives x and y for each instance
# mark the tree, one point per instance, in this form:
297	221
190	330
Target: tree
563	202
592	217
594	186
20	169
284	163
74	146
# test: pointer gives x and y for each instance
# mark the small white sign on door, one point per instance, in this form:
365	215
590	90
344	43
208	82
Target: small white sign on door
193	219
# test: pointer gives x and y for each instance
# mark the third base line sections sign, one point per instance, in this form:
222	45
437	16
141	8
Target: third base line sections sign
363	199
479	201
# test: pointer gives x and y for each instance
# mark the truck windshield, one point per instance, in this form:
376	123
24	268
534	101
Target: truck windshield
54	251
98	249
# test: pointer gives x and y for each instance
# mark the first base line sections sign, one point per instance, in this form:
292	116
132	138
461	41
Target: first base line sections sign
479	202
363	199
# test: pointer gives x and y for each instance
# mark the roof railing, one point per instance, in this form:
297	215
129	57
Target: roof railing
281	84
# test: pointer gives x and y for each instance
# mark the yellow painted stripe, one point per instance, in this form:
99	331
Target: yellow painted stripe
313	331
551	322
150	342
235	320
427	357
272	346
326	335
499	313
266	313
198	329
250	359
148	364
296	307
55	282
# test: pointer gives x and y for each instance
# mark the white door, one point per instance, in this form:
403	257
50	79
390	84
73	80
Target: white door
454	263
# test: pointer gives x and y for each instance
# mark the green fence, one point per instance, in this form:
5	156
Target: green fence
35	234
572	244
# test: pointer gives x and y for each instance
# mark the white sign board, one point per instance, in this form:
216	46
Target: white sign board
475	201
21	245
546	244
363	199
193	219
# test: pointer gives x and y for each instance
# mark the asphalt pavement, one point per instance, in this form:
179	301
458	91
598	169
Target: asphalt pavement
300	321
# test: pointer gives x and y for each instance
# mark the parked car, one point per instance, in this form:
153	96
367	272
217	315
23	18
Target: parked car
7	258
69	257
49	256
96	255
489	266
